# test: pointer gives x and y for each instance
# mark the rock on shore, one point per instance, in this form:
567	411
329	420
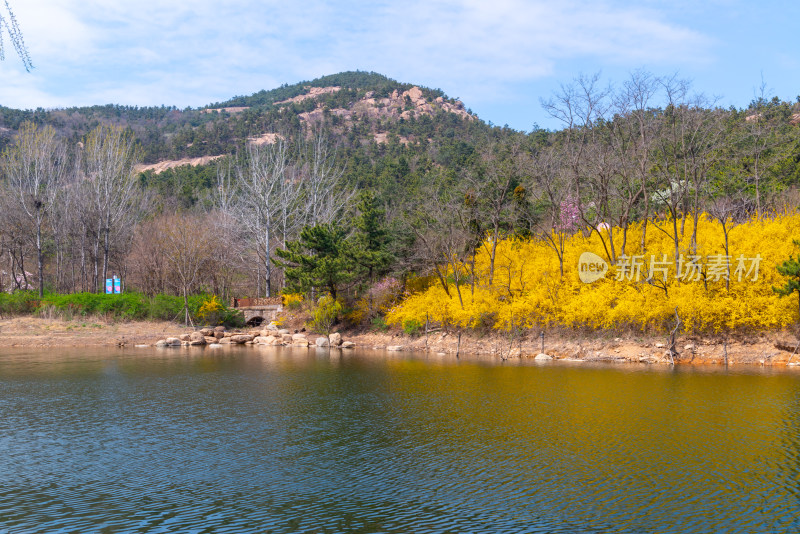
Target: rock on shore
271	335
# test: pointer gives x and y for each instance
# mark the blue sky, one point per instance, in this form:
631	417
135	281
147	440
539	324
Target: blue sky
500	56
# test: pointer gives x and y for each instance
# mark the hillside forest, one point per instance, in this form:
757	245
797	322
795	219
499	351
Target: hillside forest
406	208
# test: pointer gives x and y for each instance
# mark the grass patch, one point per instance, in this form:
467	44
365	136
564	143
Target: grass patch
122	307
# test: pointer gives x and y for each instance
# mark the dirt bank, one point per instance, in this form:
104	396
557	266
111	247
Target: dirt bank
764	349
36	332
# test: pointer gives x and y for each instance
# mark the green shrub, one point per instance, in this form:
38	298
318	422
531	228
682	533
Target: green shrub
232	318
379	323
121	307
412	327
18	303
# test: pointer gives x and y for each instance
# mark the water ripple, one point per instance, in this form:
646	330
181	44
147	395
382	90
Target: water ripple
282	441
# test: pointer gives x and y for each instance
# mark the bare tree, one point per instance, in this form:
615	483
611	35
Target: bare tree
250	193
633	132
273	195
548	186
321	184
689	134
260	184
578	106
187	254
108	163
8	23
16	242
443	238
490	190
34	166
759	137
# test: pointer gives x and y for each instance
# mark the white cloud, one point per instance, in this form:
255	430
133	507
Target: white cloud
191	53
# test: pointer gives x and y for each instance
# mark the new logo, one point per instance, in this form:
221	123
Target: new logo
591	267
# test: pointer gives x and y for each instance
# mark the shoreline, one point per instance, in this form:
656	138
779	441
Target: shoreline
770	348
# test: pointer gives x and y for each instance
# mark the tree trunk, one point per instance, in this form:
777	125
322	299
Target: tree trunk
107	230
186	305
267	266
40	258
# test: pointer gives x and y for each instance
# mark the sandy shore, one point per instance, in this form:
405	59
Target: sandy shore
767	349
36	332
764	349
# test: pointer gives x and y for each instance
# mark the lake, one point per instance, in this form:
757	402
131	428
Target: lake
280	440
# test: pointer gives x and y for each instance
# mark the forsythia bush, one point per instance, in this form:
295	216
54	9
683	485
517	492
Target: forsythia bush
210	310
528	290
325	314
292	301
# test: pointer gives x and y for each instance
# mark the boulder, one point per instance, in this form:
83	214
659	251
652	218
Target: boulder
300	342
261	340
394	348
227	334
197	336
241	339
198	342
322	341
283	331
185	337
270	340
219	329
214	345
335	339
272	326
173	342
210	339
348	345
298	337
218	335
207	332
161	343
225	341
542	356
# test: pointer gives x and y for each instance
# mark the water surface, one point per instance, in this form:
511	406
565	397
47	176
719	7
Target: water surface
275	440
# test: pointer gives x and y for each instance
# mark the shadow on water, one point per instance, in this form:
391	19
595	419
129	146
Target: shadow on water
305	441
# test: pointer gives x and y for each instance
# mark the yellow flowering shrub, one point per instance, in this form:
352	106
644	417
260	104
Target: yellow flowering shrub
292	301
528	290
210	310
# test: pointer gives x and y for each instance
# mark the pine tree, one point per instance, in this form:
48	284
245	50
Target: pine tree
791	269
372	238
320	259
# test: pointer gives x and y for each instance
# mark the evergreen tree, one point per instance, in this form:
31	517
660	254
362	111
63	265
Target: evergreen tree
791	269
372	238
321	258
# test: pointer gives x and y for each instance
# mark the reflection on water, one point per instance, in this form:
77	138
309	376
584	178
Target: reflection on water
272	440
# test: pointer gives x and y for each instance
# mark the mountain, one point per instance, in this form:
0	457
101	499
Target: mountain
359	105
389	135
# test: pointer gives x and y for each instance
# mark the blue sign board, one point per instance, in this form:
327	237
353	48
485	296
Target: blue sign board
113	285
